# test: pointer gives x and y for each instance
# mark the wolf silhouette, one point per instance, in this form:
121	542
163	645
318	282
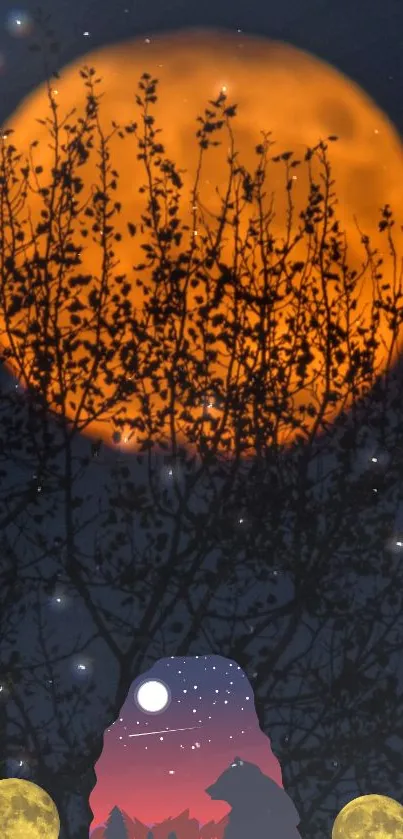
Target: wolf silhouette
260	808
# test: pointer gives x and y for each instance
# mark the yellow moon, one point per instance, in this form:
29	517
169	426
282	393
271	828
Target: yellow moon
278	89
27	811
369	817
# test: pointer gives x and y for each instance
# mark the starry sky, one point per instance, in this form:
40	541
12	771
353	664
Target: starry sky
366	45
159	775
209	696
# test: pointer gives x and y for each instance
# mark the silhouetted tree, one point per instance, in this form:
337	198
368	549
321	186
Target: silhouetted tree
115	826
285	559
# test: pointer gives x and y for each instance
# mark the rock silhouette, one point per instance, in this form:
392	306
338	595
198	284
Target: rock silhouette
260	808
182	827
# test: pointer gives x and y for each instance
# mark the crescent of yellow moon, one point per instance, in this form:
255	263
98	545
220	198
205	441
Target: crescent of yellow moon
27	810
369	817
278	89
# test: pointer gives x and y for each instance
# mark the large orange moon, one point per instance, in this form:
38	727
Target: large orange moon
278	89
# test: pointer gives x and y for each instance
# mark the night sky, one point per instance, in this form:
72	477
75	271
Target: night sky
159	775
362	40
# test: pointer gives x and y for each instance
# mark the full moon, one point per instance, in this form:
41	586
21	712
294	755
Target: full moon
27	811
277	88
369	817
152	696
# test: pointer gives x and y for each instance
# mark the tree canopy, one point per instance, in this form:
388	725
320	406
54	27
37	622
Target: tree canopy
218	533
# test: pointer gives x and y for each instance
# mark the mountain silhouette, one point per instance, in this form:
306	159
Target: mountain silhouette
182	825
260	808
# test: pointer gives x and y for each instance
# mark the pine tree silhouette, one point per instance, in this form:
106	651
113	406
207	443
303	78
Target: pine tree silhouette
115	826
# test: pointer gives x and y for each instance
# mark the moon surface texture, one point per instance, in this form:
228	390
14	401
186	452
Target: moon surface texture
277	88
27	811
370	817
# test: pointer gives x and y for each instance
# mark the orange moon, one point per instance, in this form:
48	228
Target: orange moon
277	89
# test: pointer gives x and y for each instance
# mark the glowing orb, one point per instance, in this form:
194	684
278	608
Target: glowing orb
277	89
152	696
19	24
369	817
27	811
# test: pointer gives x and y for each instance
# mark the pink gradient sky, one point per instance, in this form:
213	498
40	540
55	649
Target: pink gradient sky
158	776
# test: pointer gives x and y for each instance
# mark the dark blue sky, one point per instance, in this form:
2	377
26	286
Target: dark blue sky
362	40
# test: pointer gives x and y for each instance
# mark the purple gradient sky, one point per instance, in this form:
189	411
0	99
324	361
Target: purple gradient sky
158	776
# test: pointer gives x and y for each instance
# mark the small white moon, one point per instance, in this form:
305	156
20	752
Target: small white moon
153	696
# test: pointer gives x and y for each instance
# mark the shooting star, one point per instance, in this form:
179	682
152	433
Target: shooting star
164	731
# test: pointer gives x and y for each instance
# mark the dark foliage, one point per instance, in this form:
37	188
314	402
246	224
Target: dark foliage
215	537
